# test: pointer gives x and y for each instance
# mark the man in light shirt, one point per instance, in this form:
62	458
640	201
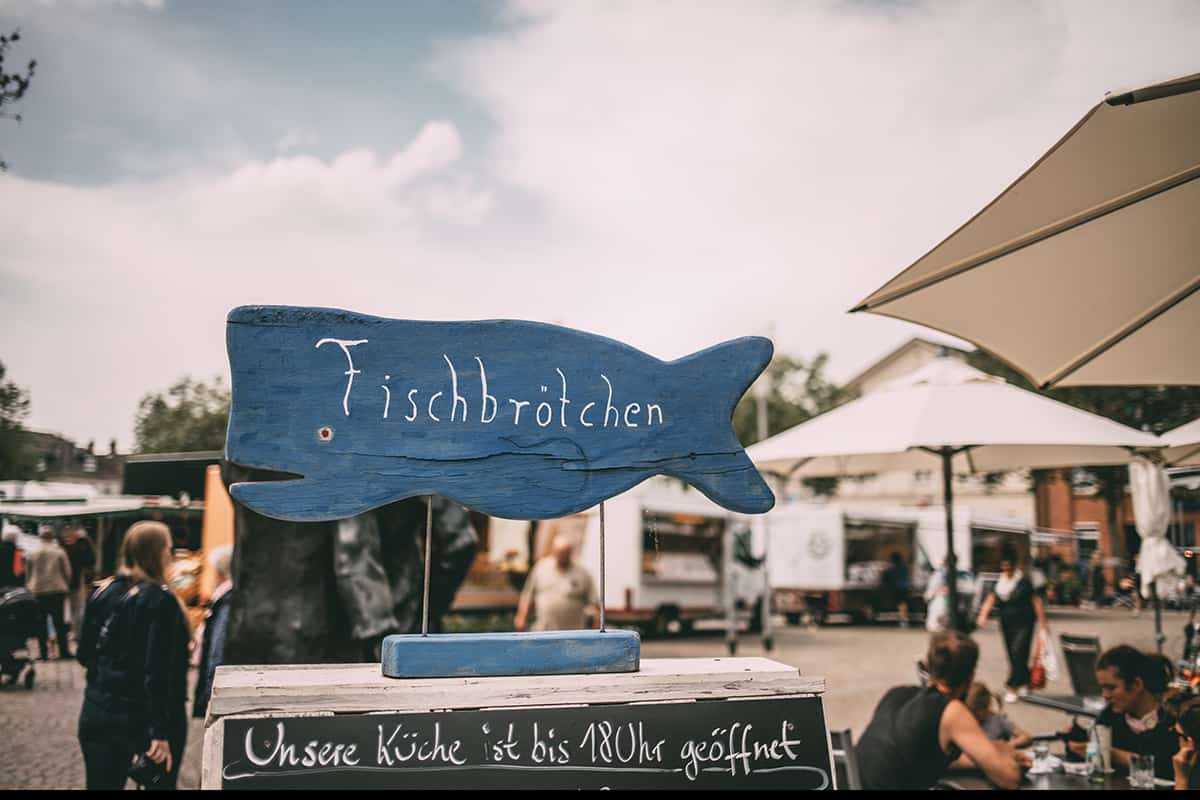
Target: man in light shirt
560	592
48	578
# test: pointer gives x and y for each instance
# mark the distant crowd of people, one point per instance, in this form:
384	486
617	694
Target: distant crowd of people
58	575
134	637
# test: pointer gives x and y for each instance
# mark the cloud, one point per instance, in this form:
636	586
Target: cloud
295	139
123	288
753	161
667	175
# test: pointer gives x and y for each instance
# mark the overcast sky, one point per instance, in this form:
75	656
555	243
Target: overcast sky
667	174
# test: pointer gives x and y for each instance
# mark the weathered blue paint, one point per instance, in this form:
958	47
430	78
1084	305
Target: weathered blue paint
371	410
492	654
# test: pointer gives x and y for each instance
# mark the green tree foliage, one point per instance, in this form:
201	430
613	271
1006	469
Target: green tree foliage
12	85
1155	409
191	415
799	391
16	455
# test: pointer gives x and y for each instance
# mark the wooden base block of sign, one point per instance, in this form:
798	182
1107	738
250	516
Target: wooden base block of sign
729	723
454	655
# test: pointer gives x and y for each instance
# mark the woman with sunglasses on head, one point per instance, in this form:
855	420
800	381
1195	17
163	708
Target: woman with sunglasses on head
1133	684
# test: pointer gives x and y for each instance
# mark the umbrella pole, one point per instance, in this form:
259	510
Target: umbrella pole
951	559
1158	634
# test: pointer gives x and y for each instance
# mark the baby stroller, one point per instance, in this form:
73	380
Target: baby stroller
20	618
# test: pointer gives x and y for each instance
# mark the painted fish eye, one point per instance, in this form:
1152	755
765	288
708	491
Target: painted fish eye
325	434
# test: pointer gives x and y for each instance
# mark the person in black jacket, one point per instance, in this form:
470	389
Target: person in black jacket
134	644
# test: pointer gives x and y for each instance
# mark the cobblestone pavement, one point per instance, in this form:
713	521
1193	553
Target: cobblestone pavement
39	749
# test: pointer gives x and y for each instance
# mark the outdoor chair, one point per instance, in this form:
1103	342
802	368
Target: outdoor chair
1081	653
845	760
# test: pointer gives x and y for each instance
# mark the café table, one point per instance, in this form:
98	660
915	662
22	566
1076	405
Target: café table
1080	705
975	779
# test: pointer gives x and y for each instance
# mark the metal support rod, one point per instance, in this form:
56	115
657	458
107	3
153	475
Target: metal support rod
428	560
602	603
1158	634
951	558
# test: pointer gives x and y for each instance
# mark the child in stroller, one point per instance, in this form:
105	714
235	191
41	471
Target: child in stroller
20	619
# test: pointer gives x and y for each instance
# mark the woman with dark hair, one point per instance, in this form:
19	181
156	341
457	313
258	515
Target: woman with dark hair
134	644
1133	684
1019	607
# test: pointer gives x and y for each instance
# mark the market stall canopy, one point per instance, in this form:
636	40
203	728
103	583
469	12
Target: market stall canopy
1086	270
1183	445
94	507
908	424
45	490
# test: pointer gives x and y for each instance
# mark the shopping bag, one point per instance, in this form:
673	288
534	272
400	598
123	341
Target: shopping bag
1049	658
1037	673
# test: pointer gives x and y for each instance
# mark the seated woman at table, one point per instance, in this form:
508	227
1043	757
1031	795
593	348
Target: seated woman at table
917	732
1133	684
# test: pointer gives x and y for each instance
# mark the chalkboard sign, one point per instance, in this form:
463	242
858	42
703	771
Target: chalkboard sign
515	419
778	743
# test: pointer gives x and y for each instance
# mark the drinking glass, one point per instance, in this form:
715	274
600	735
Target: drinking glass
1041	757
1141	772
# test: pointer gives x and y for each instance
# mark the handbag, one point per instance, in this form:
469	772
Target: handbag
146	773
1037	673
1049	658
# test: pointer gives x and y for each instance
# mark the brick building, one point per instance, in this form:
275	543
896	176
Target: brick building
1062	506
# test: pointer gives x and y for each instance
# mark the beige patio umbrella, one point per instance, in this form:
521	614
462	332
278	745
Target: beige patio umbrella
948	416
1183	445
1086	271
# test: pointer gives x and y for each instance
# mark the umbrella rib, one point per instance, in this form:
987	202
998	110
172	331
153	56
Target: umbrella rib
1035	236
1122	333
1187	454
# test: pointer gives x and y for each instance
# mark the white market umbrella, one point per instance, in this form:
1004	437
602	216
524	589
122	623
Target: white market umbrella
1183	445
955	417
1086	270
1157	558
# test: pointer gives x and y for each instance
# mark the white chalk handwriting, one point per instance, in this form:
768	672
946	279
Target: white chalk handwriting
451	403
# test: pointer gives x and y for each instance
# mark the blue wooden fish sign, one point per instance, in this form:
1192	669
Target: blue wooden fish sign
515	419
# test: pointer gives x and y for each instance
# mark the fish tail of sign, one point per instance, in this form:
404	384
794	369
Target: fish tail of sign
724	372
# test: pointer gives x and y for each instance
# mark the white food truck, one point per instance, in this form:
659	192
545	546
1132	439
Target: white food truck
827	559
674	558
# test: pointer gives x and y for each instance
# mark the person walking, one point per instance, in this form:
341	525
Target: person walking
1020	607
216	624
1096	579
895	586
48	578
82	557
560	592
12	569
134	645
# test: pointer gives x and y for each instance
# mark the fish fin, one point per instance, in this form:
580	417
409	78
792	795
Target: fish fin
313	499
726	370
728	479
